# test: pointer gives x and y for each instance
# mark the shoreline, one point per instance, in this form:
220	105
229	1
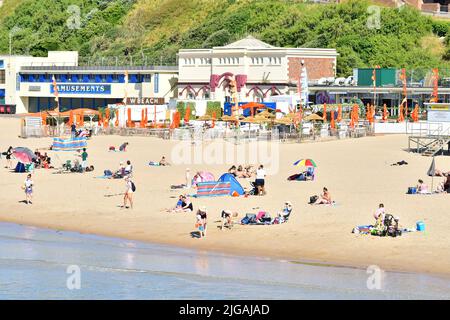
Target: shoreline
296	260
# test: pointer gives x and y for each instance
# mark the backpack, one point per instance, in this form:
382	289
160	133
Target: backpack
133	186
313	199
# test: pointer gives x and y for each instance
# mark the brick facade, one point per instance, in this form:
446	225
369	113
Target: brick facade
316	67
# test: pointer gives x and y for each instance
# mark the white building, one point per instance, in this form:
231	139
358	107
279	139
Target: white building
260	70
27	83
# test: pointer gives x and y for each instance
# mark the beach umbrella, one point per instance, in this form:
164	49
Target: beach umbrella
305	163
385	113
339	116
205	117
23	155
314	117
285	120
44	118
325	112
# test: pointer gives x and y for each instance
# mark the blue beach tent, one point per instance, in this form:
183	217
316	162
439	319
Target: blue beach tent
234	184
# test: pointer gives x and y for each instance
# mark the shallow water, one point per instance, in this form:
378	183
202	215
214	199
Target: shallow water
34	262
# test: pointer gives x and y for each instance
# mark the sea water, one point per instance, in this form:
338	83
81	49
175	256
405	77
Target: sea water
37	263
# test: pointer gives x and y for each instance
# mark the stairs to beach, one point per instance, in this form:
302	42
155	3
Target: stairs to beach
431	143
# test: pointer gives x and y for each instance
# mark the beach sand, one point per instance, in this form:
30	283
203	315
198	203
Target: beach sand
357	172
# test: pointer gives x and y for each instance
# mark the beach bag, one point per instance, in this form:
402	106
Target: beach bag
313	199
112	148
107	173
412	190
133	186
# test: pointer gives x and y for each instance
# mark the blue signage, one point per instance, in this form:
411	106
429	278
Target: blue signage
82	88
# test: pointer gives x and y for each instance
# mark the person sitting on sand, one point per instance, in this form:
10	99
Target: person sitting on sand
325	197
129	168
440	173
379	213
187	207
241	173
232	170
422	187
250	171
286	211
163	162
123	147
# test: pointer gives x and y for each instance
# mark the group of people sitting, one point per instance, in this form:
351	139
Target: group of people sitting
122	172
122	148
184	204
263	217
442	187
241	171
76	166
41	160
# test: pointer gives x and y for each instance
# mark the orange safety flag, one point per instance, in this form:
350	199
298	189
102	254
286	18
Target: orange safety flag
117	118
385	113
339	116
415	114
356	114
100	119
129	118
324	112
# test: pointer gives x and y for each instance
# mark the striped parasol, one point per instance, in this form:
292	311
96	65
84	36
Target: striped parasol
305	163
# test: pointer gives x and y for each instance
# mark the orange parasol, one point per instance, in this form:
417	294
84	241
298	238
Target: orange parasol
44	118
324	112
117	118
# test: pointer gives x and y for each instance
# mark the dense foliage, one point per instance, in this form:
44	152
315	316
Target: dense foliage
152	31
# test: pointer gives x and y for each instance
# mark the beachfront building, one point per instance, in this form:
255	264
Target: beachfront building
259	69
27	83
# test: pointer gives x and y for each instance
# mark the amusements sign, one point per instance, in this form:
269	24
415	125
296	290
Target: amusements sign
145	101
82	89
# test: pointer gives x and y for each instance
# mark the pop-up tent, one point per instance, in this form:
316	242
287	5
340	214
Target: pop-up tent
235	186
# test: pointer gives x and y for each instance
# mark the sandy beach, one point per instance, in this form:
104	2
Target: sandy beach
356	171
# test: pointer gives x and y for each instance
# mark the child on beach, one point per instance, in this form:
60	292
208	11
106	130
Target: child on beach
201	221
84	157
28	187
422	187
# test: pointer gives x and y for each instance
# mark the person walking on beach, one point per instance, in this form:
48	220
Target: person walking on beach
8	155
129	190
260	180
84	157
28	187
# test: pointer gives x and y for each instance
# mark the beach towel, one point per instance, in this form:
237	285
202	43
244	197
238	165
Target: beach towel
154	164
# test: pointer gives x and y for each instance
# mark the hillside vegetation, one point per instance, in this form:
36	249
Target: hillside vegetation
152	31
